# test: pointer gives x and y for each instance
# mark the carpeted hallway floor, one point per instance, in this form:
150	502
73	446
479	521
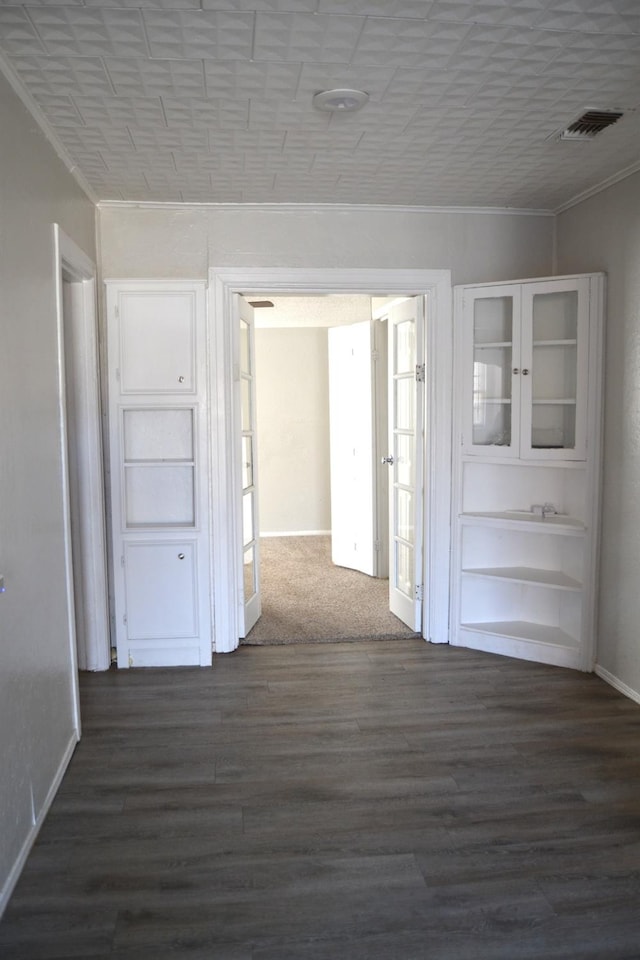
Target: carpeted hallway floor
305	598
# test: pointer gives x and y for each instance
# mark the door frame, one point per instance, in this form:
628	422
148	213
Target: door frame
92	649
225	492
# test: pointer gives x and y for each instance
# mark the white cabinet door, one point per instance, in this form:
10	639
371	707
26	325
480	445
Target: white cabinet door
490	341
158	427
249	587
526	354
353	472
406	455
555	356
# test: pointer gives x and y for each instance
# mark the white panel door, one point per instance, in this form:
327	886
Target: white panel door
351	424
158	426
249	535
405	458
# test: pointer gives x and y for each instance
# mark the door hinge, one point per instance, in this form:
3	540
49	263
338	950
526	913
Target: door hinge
117	373
419	592
122	561
420	372
377	545
117	312
124	618
375	354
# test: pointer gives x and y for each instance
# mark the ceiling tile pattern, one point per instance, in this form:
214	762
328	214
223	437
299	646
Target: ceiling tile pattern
211	100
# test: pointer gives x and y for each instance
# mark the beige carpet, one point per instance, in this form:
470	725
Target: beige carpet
306	598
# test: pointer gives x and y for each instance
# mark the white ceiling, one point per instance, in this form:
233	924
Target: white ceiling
210	100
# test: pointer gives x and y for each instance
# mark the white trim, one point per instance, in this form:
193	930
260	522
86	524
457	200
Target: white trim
296	533
30	839
322	207
23	94
93	649
226	282
618	684
598	188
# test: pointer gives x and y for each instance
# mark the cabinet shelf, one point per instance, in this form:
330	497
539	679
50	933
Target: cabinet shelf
555	343
493	345
555	579
524	519
523	630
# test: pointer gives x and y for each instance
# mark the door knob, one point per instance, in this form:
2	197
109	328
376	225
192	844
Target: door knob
388	460
181	556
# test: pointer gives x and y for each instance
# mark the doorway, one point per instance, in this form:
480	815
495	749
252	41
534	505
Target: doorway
321	417
81	452
226	485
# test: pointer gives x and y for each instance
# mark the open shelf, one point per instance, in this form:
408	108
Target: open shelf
555	579
522	520
523	630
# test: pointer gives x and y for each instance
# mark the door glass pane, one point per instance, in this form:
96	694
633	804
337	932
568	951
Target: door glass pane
405	389
493	320
247	462
249	573
404	514
554	372
492	371
553	425
555	316
247	519
158	434
245	348
245	391
404	569
159	496
403	456
405	352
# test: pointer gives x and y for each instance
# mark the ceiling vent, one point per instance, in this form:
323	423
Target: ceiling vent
590	124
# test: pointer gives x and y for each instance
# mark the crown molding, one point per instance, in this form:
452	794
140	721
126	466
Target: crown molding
21	92
323	208
598	188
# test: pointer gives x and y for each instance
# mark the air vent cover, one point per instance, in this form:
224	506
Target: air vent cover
590	124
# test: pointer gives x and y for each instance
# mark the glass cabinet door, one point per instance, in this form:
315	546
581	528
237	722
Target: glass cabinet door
554	372
492	407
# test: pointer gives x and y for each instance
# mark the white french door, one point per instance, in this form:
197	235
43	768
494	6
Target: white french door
158	428
354	534
249	535
405	459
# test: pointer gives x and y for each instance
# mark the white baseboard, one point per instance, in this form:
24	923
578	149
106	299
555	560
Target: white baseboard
30	839
296	533
618	684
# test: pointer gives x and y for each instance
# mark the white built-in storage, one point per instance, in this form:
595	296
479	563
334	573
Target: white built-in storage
158	430
528	356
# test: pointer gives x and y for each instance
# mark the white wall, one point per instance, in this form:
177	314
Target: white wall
185	242
603	233
292	390
36	704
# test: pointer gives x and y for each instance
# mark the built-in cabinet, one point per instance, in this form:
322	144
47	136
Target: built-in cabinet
528	357
158	453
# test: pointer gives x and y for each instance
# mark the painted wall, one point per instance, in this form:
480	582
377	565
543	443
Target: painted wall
36	706
292	390
185	242
603	233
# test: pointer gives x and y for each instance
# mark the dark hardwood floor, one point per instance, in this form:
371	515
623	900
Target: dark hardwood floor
383	800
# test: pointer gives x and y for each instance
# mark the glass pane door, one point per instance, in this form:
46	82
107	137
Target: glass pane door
249	581
554	367
493	342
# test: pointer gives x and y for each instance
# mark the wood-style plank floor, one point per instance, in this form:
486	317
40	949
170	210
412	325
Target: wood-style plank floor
383	800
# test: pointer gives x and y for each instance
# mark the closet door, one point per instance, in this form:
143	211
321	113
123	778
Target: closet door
158	452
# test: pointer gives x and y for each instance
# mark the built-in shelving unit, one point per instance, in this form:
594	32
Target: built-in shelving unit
527	464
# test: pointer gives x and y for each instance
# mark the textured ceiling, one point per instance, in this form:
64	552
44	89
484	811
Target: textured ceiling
210	100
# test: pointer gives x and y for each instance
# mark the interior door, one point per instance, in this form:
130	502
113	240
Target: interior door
249	535
352	443
158	452
405	459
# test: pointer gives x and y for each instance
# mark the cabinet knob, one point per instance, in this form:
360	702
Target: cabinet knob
525	372
181	556
180	379
515	370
